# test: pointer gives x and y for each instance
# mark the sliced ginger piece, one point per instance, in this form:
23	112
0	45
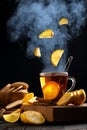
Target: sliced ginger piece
65	99
63	21
51	90
37	52
55	56
47	34
32	117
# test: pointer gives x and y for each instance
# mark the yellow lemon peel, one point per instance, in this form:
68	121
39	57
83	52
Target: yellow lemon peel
55	56
47	34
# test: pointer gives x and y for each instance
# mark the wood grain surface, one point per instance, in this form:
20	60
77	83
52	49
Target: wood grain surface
61	113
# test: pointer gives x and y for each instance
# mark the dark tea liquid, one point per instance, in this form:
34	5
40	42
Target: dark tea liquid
61	78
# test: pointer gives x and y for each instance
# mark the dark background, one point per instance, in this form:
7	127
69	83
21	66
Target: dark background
14	66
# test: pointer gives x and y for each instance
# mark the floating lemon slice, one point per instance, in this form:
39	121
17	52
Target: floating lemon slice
51	90
55	56
32	117
63	21
37	52
11	118
47	34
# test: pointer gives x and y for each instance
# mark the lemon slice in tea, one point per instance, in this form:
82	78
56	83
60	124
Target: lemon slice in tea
51	90
55	56
47	34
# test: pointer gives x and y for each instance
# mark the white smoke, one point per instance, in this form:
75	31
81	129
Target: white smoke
32	17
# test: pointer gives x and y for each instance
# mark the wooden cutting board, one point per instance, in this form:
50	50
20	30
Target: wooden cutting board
60	113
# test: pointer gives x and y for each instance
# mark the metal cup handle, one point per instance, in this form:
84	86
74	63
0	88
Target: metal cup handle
73	83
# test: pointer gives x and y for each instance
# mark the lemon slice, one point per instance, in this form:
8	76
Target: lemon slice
65	99
79	97
63	21
32	117
11	118
51	90
47	34
27	98
55	56
17	111
37	52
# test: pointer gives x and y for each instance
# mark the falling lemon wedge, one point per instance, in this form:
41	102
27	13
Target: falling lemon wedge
63	21
37	52
55	56
47	34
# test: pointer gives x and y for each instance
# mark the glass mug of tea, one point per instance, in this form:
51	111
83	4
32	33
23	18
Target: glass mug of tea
54	84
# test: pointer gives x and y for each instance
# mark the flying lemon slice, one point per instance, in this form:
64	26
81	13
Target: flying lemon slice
55	56
37	52
63	21
47	34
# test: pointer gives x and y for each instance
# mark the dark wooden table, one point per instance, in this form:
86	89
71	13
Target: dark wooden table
72	118
46	126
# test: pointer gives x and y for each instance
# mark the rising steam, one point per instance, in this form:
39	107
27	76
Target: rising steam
31	17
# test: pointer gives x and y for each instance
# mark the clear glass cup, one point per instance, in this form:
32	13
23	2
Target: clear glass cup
61	78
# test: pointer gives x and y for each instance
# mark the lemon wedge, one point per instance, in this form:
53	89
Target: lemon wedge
37	52
17	111
63	21
65	99
47	34
11	118
55	56
27	97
